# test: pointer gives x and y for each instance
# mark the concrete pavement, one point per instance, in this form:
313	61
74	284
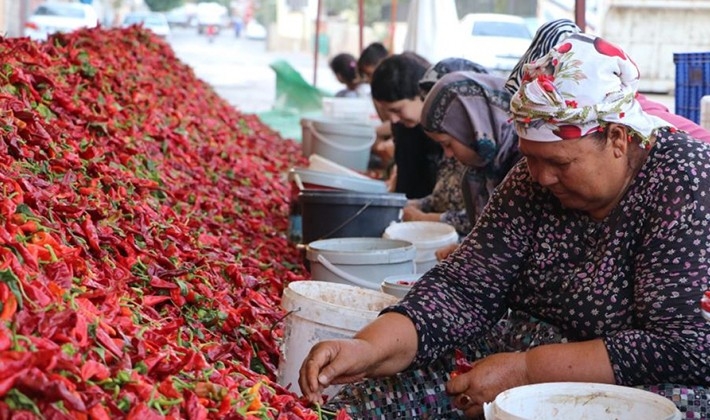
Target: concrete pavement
238	68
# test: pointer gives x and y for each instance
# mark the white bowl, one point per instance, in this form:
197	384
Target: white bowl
311	179
399	284
578	400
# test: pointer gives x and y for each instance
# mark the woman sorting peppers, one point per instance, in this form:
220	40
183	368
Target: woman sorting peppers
586	265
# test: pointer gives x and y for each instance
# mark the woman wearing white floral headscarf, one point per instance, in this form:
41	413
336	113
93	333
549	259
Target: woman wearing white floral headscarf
587	265
551	33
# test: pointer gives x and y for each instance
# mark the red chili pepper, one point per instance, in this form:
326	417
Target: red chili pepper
115	190
462	365
705	301
8	301
108	342
92	236
29	227
93	369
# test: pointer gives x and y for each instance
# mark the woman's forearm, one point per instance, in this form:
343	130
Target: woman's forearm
395	339
586	361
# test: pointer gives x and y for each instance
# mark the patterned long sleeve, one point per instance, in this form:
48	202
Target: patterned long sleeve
633	279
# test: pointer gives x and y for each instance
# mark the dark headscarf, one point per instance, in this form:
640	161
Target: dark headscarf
446	66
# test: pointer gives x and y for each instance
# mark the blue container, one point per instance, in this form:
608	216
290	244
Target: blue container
692	82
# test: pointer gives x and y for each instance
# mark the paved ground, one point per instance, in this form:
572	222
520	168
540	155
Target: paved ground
239	69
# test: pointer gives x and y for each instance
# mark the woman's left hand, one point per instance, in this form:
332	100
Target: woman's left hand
411	212
487	378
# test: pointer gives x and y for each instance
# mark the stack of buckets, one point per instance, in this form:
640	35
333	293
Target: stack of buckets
338	217
347	143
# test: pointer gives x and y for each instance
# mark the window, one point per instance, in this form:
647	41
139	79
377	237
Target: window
60	10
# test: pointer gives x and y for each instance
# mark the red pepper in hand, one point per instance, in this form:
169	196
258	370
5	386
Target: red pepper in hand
462	365
705	301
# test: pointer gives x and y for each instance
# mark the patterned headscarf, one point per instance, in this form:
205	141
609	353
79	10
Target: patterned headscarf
472	108
579	87
547	36
446	66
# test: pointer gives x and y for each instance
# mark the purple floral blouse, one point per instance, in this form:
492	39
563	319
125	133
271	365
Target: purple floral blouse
634	279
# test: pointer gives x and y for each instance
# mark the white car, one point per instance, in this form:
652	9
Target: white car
183	16
495	41
51	17
153	21
255	30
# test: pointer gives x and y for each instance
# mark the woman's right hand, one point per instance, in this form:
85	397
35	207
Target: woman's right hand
334	362
384	347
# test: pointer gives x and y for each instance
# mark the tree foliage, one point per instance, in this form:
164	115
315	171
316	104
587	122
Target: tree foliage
163	5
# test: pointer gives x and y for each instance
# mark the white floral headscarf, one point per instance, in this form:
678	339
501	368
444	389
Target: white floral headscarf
581	85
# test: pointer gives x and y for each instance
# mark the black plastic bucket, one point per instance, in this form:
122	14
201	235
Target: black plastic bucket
343	214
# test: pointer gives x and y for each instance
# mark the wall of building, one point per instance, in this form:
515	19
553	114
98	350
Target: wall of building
12	16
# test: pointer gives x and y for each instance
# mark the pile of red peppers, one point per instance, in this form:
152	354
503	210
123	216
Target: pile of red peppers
143	250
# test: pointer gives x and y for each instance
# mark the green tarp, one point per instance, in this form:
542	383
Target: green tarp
295	98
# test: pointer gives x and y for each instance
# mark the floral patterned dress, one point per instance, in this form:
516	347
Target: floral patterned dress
447	197
533	272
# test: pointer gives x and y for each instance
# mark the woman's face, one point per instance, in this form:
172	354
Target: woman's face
456	149
406	111
582	173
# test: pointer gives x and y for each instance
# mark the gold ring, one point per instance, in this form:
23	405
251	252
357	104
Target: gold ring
465	400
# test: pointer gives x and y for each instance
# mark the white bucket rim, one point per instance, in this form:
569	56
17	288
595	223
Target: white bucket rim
339	181
349	318
361	250
423	234
584	393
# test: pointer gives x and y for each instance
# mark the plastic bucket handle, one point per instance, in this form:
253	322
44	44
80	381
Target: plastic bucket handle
347	148
348	220
340	273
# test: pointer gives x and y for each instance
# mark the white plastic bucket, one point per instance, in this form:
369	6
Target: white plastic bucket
427	237
576	400
318	311
306	138
705	112
342	142
362	262
399	285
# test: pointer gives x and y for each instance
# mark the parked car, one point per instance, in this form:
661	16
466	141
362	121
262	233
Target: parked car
153	21
255	30
183	16
51	17
495	41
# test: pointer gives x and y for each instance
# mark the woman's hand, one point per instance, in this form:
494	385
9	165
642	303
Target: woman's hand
444	252
412	213
384	347
392	180
334	362
487	378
